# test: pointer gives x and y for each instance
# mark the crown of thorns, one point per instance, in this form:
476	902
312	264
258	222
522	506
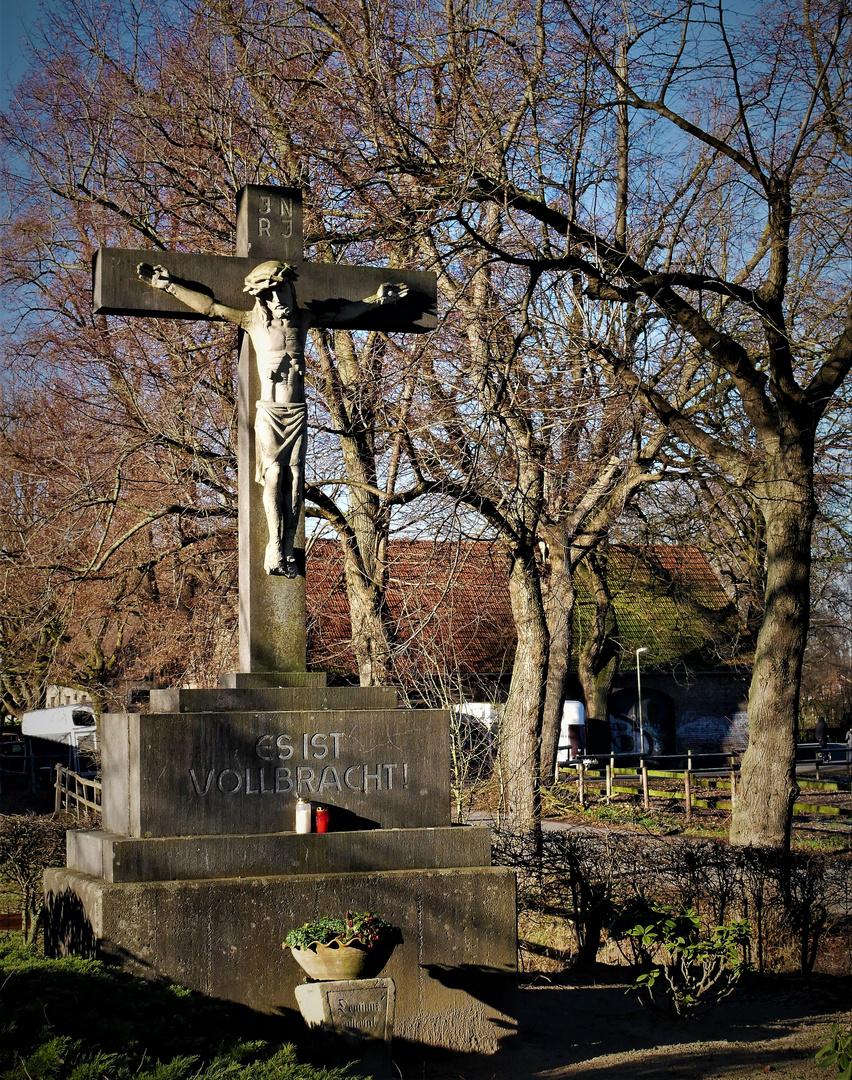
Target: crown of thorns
267	275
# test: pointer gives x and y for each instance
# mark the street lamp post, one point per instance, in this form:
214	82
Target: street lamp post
639	698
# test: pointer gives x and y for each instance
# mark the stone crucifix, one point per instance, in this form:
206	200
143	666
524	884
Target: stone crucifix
274	298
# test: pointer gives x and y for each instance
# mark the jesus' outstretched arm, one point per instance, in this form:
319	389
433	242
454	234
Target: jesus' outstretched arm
346	313
158	277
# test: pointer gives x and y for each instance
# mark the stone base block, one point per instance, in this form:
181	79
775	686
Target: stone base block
211	773
455	972
167	858
273	699
250	680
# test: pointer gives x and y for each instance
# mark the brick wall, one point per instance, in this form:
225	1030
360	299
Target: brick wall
710	707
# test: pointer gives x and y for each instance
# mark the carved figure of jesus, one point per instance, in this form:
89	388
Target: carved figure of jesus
278	329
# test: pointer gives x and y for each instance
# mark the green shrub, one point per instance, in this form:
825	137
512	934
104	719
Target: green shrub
75	1019
793	903
838	1051
29	843
697	971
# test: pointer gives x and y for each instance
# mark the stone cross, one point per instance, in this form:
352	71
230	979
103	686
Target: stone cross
268	263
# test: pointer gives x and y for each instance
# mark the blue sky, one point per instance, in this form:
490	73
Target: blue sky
17	17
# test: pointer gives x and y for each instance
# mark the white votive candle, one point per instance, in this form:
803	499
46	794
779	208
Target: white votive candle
303	816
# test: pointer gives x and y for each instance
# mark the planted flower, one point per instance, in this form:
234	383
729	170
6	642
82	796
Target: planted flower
355	947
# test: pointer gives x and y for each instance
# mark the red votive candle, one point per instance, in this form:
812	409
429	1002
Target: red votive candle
322	819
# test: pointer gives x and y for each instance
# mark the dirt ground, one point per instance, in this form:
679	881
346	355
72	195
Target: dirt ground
770	1026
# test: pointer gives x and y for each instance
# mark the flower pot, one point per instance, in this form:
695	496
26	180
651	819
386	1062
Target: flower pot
327	963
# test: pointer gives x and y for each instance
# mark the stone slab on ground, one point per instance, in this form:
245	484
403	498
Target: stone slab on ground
358	1013
455	971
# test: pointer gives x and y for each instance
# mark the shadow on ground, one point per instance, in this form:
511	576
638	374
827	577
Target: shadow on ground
593	1029
583	1029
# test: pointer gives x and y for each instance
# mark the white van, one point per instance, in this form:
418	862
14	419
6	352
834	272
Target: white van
72	725
65	735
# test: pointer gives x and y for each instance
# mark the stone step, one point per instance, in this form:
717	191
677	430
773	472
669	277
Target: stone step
455	970
251	680
273	699
117	858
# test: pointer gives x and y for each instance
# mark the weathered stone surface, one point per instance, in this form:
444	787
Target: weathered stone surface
269	699
455	971
118	858
118	291
197	876
172	284
253	680
269	223
192	774
359	1010
272	610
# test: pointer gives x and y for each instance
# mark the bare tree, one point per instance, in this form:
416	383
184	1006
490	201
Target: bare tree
733	254
154	155
513	425
695	236
482	435
762	356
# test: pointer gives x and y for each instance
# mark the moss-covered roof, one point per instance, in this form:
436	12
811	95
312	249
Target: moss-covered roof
667	599
449	606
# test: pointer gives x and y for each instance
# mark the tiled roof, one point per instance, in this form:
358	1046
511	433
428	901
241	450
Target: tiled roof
449	605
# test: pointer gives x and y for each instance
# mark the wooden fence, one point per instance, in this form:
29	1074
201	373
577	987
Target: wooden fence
712	787
73	791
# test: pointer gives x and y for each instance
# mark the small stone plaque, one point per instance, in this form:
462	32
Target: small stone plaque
361	1013
356	1012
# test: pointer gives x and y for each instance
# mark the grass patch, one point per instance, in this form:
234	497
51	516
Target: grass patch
560	801
820	841
75	1019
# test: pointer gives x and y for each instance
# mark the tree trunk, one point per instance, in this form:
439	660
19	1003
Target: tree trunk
598	660
365	560
520	730
763	812
596	682
559	613
370	641
364	540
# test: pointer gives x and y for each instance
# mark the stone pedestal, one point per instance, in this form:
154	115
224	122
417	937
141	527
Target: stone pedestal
198	873
358	1013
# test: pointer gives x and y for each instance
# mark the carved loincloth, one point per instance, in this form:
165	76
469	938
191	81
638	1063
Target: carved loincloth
279	436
